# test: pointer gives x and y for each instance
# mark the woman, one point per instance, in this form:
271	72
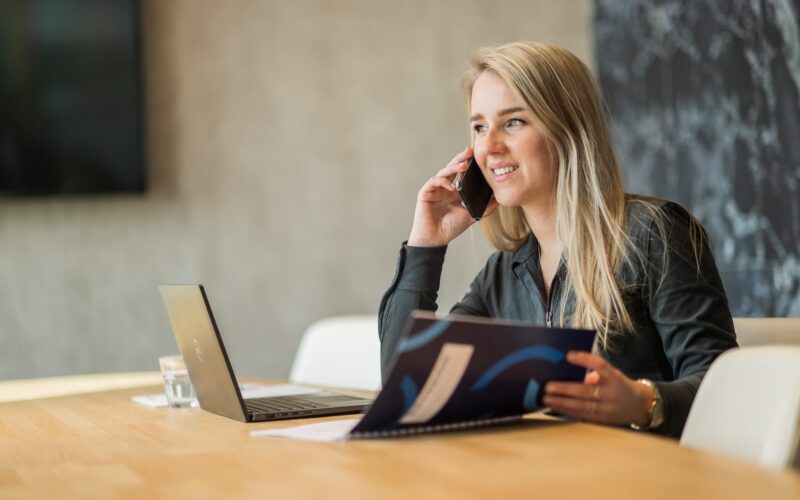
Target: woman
575	250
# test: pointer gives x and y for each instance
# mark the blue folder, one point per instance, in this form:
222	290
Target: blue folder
463	371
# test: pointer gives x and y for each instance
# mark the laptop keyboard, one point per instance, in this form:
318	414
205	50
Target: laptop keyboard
280	405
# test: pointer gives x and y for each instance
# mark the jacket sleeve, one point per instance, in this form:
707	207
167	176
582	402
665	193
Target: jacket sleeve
416	286
689	308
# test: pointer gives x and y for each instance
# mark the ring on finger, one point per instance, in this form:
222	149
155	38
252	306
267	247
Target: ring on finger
596	393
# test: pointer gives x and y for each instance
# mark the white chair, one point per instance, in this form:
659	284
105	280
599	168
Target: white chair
748	406
762	331
342	351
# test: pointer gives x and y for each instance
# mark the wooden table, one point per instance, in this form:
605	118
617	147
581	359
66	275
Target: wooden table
102	445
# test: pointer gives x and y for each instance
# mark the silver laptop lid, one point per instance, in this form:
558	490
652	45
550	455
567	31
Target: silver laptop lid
202	349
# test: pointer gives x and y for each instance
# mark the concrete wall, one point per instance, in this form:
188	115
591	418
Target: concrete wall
286	144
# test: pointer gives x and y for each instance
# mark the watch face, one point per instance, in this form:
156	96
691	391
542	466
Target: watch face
657	413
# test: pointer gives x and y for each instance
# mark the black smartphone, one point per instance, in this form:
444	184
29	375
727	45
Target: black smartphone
473	189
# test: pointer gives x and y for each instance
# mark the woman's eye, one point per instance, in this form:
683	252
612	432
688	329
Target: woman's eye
515	122
479	128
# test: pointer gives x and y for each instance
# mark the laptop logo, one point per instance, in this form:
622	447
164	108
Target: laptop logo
197	351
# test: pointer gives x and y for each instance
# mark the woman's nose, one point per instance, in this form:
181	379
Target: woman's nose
493	142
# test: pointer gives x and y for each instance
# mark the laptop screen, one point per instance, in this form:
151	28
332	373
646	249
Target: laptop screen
202	349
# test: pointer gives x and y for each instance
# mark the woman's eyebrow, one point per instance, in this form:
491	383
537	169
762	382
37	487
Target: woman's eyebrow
503	112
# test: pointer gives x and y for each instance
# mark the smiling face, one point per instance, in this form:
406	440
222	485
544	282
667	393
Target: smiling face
509	146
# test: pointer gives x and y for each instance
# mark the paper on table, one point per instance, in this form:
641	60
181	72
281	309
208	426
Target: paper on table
268	391
152	400
248	391
335	430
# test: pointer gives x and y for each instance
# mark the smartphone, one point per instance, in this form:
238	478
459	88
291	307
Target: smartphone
473	189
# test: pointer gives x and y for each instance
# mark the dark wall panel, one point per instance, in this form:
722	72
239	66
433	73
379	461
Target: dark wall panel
705	100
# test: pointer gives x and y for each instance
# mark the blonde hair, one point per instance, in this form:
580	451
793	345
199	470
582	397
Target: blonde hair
590	200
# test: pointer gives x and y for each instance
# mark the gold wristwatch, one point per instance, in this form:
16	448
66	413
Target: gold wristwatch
656	411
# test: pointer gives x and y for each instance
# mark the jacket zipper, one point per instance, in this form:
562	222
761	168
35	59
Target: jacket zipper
548	307
548	313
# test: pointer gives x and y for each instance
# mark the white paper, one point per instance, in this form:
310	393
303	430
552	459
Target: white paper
247	390
336	430
268	391
151	400
441	384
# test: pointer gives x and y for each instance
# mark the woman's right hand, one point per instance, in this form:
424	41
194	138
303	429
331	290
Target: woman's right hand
439	216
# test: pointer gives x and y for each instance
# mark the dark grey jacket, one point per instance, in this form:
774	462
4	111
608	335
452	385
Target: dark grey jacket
680	312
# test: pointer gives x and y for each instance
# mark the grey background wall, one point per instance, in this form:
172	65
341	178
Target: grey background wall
706	103
286	144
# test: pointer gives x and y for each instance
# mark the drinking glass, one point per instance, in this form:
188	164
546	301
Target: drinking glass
177	386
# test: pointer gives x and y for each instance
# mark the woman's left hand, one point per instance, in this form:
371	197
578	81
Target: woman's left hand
606	395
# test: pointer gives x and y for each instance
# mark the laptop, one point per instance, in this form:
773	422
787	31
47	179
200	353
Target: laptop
211	373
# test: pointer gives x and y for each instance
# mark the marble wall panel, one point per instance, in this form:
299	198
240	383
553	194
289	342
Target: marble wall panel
705	100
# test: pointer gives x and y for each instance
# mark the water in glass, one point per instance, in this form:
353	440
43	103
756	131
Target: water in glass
179	390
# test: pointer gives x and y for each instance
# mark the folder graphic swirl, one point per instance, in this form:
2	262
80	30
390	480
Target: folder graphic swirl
462	371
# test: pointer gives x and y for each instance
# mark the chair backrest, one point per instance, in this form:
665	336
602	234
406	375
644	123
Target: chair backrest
342	351
763	331
748	406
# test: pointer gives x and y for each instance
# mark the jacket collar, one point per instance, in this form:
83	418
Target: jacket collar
527	250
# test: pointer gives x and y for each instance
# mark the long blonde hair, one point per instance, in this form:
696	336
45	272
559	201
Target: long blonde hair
590	199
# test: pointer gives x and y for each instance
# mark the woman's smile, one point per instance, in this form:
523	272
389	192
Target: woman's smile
502	172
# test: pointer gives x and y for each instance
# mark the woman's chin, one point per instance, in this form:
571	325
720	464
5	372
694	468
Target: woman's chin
506	200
